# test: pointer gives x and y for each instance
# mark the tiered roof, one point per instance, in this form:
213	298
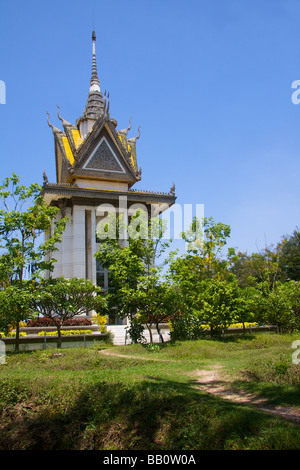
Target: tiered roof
101	153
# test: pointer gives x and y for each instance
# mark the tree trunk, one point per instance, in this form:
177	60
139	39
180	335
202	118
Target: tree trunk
150	333
17	337
59	337
18	316
159	333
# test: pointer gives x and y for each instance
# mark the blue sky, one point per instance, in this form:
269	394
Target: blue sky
208	81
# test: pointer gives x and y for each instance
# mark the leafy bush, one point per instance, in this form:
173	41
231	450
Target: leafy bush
151	347
281	368
78	322
187	326
191	326
282	306
135	331
101	321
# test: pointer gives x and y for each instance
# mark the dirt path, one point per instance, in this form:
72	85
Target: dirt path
214	382
107	352
211	381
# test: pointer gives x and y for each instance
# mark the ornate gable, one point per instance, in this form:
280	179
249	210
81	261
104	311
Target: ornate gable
104	159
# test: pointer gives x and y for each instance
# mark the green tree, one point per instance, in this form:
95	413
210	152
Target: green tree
129	258
261	268
293	288
130	254
290	256
14	307
204	260
24	216
282	306
156	302
245	268
186	325
217	304
206	240
61	299
246	304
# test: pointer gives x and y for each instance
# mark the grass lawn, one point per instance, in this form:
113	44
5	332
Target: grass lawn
81	398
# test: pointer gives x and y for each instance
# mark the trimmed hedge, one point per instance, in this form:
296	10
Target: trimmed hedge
66	332
43	321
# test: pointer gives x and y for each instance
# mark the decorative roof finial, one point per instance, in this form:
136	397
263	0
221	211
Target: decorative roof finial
94	84
54	129
107	107
65	123
125	131
95	105
134	139
50	125
45	178
172	190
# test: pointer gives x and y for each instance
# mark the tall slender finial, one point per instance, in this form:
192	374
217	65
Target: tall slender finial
95	105
94	84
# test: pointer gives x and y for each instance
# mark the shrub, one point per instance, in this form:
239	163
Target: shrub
136	331
101	321
187	326
43	322
190	326
78	322
151	347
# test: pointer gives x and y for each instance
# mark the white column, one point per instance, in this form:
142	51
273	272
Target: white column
67	246
93	243
78	241
63	266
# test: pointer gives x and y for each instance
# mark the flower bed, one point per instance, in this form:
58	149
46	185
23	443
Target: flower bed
235	325
66	332
32	342
43	321
12	334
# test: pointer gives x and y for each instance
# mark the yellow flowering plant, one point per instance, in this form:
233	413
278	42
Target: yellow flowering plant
101	321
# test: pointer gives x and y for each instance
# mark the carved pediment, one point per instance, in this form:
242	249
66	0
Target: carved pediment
104	158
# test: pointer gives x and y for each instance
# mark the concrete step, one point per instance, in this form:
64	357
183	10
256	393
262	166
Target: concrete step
120	338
